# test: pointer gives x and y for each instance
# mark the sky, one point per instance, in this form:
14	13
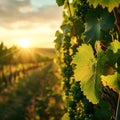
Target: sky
35	21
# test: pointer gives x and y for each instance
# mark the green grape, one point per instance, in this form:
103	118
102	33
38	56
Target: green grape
71	104
67	58
76	91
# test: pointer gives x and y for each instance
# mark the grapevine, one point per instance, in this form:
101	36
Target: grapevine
88	49
15	62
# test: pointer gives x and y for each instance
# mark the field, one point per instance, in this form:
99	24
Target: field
34	90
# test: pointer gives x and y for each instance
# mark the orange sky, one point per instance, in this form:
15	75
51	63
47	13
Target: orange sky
32	20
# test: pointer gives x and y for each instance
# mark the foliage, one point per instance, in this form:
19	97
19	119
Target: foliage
88	51
60	2
108	3
88	72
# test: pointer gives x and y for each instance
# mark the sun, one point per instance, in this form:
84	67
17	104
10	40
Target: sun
24	42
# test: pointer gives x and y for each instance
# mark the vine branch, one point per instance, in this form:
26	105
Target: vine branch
117	18
69	8
118	102
74	29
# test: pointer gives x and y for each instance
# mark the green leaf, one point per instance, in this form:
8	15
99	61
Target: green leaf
114	46
113	81
88	71
60	2
113	52
79	27
113	55
66	116
95	26
105	3
58	40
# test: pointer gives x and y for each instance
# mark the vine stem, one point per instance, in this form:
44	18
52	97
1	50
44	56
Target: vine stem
75	33
118	102
69	8
117	18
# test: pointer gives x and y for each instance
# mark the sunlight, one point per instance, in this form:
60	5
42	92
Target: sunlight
24	42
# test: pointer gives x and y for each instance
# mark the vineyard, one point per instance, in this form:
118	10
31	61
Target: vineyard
30	86
88	52
16	61
79	80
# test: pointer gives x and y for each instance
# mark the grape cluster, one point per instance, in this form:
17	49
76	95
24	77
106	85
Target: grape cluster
82	7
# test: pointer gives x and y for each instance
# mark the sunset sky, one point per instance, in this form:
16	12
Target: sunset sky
29	20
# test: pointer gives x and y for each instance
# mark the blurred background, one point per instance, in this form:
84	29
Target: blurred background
30	83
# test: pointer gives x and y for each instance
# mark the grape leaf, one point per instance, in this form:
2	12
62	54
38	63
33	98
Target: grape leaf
113	54
79	27
88	71
114	46
95	26
113	81
60	2
58	40
66	116
110	4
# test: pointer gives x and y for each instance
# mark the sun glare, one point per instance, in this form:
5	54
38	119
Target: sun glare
24	42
